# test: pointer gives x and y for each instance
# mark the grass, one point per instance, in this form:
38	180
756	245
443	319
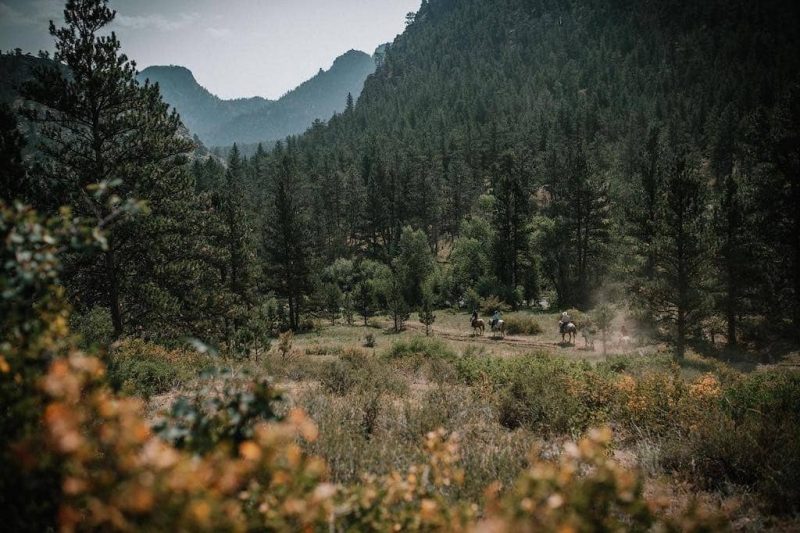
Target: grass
373	406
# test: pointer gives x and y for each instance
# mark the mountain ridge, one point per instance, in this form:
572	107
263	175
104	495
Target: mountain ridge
223	122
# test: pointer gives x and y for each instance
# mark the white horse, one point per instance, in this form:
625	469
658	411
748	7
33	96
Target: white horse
499	327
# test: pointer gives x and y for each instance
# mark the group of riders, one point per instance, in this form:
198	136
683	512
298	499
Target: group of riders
563	322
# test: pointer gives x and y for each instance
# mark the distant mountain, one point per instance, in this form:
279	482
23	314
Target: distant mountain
201	111
219	122
17	68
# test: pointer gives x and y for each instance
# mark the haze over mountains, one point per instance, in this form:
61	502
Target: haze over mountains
219	122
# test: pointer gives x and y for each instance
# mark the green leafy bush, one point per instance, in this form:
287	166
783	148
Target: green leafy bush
419	346
746	434
94	326
522	325
209	417
142	368
357	371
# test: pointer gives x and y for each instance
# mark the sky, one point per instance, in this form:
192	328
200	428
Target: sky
235	48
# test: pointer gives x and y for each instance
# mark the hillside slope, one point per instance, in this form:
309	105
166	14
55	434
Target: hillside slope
318	98
250	120
200	110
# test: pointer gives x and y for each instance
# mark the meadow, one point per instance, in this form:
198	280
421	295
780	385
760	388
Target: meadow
706	436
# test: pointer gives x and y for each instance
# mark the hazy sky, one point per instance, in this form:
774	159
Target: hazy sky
234	47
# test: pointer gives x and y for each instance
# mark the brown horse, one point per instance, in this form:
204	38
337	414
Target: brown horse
569	331
478	325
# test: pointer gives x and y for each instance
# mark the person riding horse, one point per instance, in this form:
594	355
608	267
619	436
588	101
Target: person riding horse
474	316
495	318
564	321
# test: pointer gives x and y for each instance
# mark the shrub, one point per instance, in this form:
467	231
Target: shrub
747	434
210	417
542	393
357	371
143	368
419	346
369	340
94	327
522	325
490	304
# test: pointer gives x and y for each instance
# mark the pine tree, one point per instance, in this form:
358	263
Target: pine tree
731	233
12	168
111	142
236	216
680	246
580	212
395	300
426	310
511	221
287	254
349	105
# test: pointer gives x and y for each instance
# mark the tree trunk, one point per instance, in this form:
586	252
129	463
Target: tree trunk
731	318
680	347
292	322
113	292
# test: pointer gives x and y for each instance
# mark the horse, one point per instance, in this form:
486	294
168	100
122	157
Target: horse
500	327
588	335
570	331
478	325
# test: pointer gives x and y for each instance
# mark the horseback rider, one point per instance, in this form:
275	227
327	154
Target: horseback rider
495	318
563	321
474	316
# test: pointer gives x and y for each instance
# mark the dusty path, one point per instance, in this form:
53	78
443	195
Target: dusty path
508	340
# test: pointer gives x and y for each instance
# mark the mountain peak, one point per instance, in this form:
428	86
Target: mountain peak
174	72
350	57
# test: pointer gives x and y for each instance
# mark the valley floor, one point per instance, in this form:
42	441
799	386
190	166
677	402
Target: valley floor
506	397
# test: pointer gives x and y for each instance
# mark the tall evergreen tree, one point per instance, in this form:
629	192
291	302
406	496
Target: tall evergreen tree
12	168
580	209
731	233
107	141
680	245
287	254
511	221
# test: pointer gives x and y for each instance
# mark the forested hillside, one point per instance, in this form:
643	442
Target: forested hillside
561	146
252	120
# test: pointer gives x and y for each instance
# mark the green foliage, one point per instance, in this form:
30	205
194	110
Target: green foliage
602	318
369	340
333	299
286	241
142	368
419	347
522	325
392	291
12	168
681	246
210	417
94	326
747	436
359	372
426	310
413	264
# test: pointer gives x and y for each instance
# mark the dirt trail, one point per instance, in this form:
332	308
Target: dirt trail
488	338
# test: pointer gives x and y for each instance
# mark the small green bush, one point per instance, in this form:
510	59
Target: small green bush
522	325
420	346
357	371
94	327
142	368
